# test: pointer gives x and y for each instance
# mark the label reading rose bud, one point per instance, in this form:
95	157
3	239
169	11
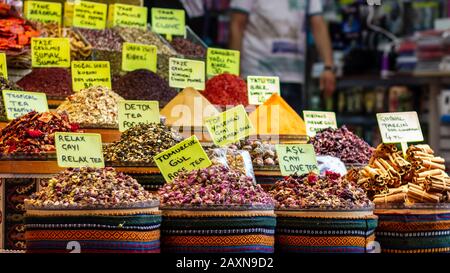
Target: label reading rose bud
316	121
86	74
50	52
90	15
75	150
297	159
139	56
221	61
169	21
400	127
45	12
3	66
261	88
128	16
185	73
19	103
135	112
187	155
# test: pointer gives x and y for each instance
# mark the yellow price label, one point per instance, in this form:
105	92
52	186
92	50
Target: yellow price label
128	16
316	121
139	56
297	159
90	15
46	12
221	61
3	66
50	52
86	74
169	21
185	73
261	88
19	103
135	112
76	150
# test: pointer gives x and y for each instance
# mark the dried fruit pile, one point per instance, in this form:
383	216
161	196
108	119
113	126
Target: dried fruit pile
262	153
33	133
15	33
6	85
94	106
55	82
141	143
187	48
311	191
226	89
91	188
343	144
213	186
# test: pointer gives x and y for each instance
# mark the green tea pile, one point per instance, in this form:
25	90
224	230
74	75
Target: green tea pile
140	143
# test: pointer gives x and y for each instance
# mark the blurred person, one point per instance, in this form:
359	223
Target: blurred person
271	36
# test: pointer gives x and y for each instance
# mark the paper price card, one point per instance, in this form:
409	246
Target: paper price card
400	127
19	103
50	52
139	56
3	66
90	15
134	112
187	155
45	12
229	126
75	150
316	121
221	61
86	74
128	16
186	73
261	88
169	21
297	159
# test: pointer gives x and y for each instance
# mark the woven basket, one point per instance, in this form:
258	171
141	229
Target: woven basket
418	229
325	231
93	231
226	231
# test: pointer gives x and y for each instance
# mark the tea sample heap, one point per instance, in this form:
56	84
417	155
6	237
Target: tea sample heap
33	133
187	48
92	106
55	82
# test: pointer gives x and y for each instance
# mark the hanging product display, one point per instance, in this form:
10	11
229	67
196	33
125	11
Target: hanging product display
6	85
55	82
226	90
92	107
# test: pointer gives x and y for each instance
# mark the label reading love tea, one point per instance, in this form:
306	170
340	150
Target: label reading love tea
3	66
134	112
19	103
187	155
75	150
86	74
261	88
221	61
45	12
139	56
50	52
90	15
128	16
185	73
297	159
169	21
316	121
229	126
400	127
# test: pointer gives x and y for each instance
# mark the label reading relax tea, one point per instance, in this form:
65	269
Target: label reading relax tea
169	21
76	150
90	15
19	103
187	155
261	88
128	16
297	159
139	56
186	73
3	66
229	126
135	112
400	127
316	121
50	52
86	74
221	61
45	12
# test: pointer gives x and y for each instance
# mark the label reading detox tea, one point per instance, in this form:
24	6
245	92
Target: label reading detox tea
75	150
50	52
86	74
134	112
185	73
45	12
297	159
19	103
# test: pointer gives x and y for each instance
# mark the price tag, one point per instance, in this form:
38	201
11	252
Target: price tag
3	66
316	121
46	12
19	103
50	52
187	155
221	61
75	150
230	126
134	112
297	159
261	88
86	74
185	73
169	21
139	56
90	15
128	16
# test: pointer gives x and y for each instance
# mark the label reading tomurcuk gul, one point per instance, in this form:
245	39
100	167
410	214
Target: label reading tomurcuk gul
139	56
19	103
297	159
128	16
75	150
169	21
317	120
90	15
135	112
400	127
86	74
50	52
45	12
221	61
186	73
187	155
261	88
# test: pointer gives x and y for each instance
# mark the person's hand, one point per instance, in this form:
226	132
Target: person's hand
328	83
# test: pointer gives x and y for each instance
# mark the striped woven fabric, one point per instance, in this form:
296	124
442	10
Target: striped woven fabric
218	234
414	231
325	235
95	234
